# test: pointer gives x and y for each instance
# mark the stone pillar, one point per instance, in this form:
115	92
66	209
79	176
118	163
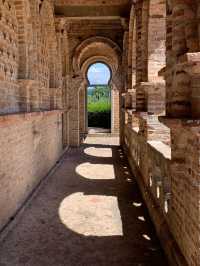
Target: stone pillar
139	65
156	39
82	109
130	97
65	85
74	129
141	96
184	40
115	120
59	53
31	95
198	18
125	55
151	39
131	53
192	68
182	109
134	53
141	56
150	50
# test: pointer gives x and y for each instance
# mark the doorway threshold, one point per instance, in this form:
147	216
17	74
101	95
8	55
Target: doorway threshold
100	132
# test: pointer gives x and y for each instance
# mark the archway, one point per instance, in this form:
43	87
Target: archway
99	97
93	50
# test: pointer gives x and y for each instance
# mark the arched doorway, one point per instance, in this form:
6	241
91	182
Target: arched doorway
91	51
99	97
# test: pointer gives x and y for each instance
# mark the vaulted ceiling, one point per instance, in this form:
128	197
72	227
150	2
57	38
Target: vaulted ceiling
92	8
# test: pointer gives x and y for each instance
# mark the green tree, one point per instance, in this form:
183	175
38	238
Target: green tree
100	92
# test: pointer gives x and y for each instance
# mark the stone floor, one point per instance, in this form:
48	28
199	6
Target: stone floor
94	130
89	212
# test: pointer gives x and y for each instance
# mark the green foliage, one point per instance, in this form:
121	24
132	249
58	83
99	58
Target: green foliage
99	107
99	99
100	92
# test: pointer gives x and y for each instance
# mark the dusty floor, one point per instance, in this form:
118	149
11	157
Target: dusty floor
94	130
89	212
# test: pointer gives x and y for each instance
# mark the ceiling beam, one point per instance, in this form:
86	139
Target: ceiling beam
90	18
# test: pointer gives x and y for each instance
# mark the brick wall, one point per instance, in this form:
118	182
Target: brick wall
165	160
9	58
30	145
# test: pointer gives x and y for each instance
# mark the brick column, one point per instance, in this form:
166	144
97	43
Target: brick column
131	53
156	39
125	55
74	129
151	39
182	30
82	109
115	111
182	109
65	85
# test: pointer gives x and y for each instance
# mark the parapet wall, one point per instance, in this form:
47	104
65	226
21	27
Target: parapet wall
30	145
166	165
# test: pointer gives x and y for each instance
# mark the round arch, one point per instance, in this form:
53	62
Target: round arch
97	49
99	62
103	50
99	77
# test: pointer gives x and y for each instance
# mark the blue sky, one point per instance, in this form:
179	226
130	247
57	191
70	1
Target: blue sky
99	74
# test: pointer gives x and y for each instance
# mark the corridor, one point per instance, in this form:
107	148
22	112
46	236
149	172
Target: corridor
87	212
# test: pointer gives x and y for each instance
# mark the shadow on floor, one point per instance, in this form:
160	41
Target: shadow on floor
88	213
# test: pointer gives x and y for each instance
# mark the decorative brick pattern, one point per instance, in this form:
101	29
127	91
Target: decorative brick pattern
9	91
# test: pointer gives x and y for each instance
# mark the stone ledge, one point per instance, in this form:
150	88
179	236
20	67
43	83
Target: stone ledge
176	122
11	118
135	129
161	147
169	244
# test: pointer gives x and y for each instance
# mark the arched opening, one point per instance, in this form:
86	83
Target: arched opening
89	52
99	97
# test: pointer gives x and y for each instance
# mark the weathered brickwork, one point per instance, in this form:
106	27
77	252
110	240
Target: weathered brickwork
30	145
163	151
9	58
30	126
30	56
153	50
182	44
185	210
84	50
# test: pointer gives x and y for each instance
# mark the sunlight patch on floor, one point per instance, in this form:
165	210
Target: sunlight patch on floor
108	141
91	215
96	171
99	152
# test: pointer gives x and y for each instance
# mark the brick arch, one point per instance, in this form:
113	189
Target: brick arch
93	60
98	48
101	49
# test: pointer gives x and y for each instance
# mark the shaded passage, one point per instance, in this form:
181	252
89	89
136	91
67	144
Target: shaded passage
88	212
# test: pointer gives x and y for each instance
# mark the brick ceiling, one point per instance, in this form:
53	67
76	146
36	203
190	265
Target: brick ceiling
92	8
